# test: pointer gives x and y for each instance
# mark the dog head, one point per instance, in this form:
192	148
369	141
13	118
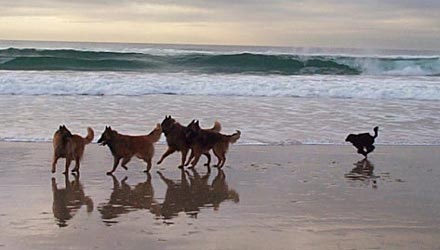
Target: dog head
194	126
350	138
192	129
63	132
167	124
106	136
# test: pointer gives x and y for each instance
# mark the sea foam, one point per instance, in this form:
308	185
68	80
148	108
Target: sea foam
135	84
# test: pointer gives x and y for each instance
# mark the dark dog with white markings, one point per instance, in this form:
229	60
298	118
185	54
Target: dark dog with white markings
363	142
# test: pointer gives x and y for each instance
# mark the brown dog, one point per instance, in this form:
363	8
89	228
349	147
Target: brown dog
177	141
201	141
126	146
69	146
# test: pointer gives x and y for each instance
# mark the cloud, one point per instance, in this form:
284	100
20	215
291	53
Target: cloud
380	23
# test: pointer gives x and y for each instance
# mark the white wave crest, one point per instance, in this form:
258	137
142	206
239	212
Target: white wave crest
133	84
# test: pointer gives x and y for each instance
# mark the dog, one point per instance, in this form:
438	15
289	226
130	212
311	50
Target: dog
175	134
363	142
201	141
126	146
69	146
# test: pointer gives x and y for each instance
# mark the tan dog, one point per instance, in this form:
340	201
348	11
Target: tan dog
69	146
126	146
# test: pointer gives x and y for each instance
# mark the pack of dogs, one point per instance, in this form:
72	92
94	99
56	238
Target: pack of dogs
180	138
184	139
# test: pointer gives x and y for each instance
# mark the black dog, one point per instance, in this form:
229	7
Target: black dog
363	142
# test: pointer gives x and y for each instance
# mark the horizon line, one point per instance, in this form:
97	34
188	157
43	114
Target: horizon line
222	45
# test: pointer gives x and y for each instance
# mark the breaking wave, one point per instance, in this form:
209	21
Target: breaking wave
216	63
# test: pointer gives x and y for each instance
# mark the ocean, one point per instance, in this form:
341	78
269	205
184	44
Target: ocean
274	95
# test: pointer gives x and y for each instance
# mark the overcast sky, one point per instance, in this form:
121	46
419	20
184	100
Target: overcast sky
400	24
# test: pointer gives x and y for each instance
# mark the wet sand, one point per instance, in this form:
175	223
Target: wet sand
266	197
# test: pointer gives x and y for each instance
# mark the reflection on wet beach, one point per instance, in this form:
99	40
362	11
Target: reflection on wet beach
189	197
364	172
68	200
311	192
124	199
188	194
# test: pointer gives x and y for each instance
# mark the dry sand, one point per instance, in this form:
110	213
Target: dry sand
266	197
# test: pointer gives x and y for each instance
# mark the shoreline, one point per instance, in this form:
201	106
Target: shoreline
163	143
323	195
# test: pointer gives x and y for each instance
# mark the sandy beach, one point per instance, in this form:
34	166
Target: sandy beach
266	197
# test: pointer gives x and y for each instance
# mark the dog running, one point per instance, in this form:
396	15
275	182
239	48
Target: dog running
175	134
363	142
69	146
126	146
201	141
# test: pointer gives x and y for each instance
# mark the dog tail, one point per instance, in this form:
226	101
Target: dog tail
234	137
154	135
376	131
90	134
217	127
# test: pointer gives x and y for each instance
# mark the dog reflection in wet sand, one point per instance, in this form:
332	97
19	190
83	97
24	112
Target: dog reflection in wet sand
125	199
67	201
221	191
189	197
363	171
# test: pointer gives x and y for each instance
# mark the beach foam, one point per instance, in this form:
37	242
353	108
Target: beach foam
136	84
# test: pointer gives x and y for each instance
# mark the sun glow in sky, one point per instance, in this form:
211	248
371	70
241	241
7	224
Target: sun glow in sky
395	24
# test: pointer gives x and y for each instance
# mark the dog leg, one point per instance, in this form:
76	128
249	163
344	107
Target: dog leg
166	154
221	158
68	161
149	164
54	163
370	149
77	163
208	156
196	159
191	156
124	162
361	151
184	154
115	164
